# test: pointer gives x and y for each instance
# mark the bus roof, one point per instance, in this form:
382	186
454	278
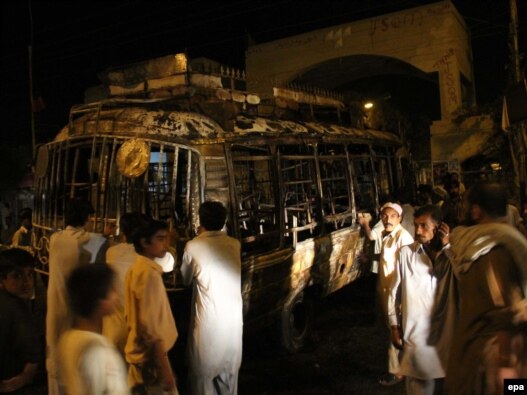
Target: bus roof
191	126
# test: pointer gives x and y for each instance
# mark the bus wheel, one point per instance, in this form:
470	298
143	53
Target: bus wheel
297	322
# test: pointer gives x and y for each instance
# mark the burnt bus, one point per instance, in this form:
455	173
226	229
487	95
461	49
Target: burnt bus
293	189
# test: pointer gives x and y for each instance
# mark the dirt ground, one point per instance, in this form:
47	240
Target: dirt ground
346	355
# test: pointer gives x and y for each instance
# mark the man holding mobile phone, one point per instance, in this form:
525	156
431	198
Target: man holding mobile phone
422	267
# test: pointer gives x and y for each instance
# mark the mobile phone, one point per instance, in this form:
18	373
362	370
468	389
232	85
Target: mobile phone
436	241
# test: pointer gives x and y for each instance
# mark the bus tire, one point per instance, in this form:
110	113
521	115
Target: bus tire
297	322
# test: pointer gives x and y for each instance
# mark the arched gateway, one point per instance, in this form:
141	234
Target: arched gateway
419	41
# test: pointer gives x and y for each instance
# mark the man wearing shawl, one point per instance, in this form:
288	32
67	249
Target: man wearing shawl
489	262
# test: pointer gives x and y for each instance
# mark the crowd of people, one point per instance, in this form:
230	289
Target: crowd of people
452	286
453	297
109	324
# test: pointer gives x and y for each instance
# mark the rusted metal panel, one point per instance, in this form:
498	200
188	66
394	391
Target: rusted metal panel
173	124
138	121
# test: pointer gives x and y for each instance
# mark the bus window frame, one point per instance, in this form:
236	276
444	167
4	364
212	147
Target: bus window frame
349	213
369	156
314	227
275	231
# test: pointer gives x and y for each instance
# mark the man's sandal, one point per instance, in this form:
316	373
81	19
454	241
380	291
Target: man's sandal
390	379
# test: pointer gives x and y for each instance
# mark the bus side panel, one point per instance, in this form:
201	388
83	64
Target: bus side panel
347	245
266	282
328	262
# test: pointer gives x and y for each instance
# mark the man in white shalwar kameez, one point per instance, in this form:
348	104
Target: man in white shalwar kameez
120	258
212	261
419	272
394	237
68	249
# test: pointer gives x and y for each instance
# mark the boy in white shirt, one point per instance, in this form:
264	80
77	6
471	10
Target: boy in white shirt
89	363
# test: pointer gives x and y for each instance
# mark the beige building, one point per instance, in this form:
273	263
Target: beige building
431	40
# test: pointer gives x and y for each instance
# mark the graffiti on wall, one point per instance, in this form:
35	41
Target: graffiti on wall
337	36
443	64
405	19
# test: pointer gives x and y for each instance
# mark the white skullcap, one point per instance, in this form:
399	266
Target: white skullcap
393	206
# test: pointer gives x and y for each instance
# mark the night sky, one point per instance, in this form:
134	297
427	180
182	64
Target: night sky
74	41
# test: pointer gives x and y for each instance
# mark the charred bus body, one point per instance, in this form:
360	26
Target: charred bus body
292	188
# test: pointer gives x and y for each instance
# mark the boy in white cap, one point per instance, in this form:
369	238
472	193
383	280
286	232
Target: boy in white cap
394	237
